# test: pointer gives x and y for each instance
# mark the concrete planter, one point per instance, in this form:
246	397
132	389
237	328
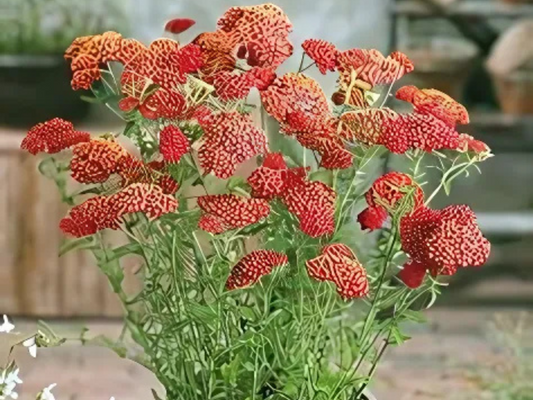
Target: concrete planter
37	88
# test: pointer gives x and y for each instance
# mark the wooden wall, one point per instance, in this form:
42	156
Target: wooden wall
34	281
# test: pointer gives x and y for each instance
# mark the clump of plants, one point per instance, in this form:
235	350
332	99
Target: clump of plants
252	285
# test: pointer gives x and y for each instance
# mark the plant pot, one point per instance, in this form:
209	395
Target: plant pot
441	63
515	92
37	88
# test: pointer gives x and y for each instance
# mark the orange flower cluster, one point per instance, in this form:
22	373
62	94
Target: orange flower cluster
97	160
257	34
300	106
229	139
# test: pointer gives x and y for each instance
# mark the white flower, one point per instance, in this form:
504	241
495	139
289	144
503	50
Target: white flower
111	398
8	382
6	326
31	345
46	393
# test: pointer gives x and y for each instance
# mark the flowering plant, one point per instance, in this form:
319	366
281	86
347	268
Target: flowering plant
252	285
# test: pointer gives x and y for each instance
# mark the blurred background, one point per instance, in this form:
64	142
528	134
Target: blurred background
478	51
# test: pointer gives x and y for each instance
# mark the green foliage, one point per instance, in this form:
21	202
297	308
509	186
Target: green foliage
26	27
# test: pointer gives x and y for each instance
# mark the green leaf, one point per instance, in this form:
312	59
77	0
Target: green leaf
322	175
248	313
248	366
204	314
83	243
397	337
415	316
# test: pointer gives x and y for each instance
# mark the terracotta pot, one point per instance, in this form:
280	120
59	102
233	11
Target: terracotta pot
441	63
515	92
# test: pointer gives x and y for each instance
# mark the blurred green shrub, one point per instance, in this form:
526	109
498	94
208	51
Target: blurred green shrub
49	26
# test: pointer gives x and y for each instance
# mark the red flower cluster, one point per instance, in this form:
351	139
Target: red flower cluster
386	195
269	180
164	65
97	160
229	139
301	107
323	53
361	70
173	144
234	86
102	212
253	266
258	34
436	103
224	212
398	132
441	241
312	202
468	143
52	137
338	264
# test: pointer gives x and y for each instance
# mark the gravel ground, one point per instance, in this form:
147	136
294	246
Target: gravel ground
438	363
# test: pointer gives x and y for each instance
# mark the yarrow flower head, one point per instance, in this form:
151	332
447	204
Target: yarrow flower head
389	194
323	53
337	263
173	144
442	241
229	211
228	141
106	212
52	137
253	266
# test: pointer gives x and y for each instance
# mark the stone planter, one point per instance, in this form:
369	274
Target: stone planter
515	92
441	63
37	88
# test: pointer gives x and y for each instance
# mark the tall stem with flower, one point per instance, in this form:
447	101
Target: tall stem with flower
248	290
